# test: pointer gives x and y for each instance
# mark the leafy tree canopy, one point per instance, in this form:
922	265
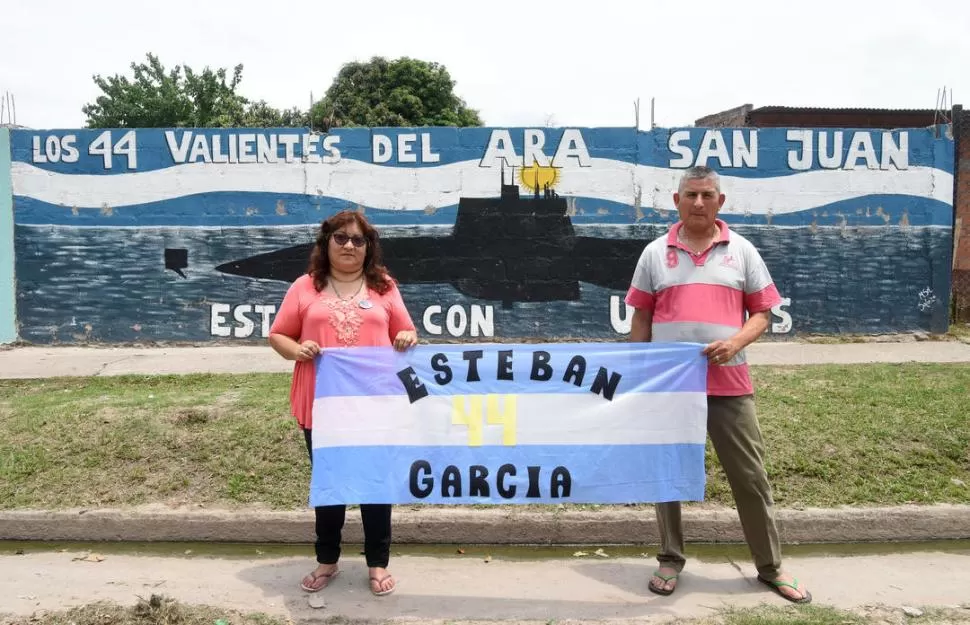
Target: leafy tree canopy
380	92
398	92
181	97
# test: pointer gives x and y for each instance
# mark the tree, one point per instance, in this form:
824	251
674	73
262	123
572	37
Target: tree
261	115
399	92
156	98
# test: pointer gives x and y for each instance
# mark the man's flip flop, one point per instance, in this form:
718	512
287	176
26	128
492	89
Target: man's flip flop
666	578
327	576
775	585
380	582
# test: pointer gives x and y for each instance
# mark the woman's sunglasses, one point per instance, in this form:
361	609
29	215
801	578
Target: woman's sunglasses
341	239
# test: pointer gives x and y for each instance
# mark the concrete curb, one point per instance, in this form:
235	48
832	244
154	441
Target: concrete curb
485	526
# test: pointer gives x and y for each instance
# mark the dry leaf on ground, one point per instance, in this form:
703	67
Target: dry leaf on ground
91	557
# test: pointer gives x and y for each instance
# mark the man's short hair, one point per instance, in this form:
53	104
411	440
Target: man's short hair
699	172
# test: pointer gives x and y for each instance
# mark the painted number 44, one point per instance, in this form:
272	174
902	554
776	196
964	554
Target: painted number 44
467	411
125	146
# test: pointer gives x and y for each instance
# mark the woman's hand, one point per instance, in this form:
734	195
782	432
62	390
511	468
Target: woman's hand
405	339
308	350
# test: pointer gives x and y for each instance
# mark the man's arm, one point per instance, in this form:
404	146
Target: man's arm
641	326
640	297
753	328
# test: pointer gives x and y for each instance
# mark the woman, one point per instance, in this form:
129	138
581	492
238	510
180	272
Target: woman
346	299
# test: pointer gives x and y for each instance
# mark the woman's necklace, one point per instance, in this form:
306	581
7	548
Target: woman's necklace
364	303
336	292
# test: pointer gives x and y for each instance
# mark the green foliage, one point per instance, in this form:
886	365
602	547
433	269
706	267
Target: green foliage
181	97
262	115
398	92
380	92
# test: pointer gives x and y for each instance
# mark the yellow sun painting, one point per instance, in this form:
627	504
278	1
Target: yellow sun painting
538	176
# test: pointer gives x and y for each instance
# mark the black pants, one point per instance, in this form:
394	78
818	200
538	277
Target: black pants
330	523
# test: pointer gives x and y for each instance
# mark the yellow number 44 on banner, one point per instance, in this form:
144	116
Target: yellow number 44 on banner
467	410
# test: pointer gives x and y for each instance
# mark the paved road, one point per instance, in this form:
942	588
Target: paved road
39	362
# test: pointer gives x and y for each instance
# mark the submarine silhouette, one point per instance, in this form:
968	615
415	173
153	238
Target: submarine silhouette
508	249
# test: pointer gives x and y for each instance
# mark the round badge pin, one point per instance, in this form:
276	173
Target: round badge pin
365	304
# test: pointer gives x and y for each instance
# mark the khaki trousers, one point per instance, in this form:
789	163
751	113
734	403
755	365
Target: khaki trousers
733	427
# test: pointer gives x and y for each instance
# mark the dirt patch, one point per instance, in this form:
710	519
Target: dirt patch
156	610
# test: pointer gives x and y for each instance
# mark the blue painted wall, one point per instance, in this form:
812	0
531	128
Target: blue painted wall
151	234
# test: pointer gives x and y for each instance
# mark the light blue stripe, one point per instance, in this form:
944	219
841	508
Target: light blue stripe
8	292
598	474
641	368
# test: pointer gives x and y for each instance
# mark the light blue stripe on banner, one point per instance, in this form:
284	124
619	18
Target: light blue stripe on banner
603	368
594	473
8	289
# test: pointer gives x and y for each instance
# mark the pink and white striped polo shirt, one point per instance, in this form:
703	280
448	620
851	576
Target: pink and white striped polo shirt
703	298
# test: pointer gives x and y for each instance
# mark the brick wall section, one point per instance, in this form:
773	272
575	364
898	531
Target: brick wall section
775	116
726	119
961	232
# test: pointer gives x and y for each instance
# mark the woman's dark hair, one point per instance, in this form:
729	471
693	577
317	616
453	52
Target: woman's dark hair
375	273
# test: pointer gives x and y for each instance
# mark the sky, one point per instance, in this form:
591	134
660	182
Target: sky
564	63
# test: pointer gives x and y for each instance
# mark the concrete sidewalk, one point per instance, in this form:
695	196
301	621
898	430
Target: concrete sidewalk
41	362
600	588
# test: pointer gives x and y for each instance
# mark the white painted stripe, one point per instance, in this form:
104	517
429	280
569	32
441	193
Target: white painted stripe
551	419
418	188
781	195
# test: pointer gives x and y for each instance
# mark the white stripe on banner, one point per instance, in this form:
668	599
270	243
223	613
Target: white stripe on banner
403	188
526	419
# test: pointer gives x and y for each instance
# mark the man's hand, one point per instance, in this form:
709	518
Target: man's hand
721	352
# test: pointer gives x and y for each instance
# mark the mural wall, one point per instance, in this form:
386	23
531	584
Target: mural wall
185	234
8	325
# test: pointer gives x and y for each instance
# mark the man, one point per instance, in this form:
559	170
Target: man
694	284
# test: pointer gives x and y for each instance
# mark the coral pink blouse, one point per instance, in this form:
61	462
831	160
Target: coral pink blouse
306	314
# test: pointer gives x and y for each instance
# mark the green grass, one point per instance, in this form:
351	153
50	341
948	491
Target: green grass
826	615
835	435
789	615
960	331
160	610
127	441
864	434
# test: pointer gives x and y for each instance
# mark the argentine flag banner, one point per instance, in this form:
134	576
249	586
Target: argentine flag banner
510	423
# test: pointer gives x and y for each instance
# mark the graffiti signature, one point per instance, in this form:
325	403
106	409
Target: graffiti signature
926	299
